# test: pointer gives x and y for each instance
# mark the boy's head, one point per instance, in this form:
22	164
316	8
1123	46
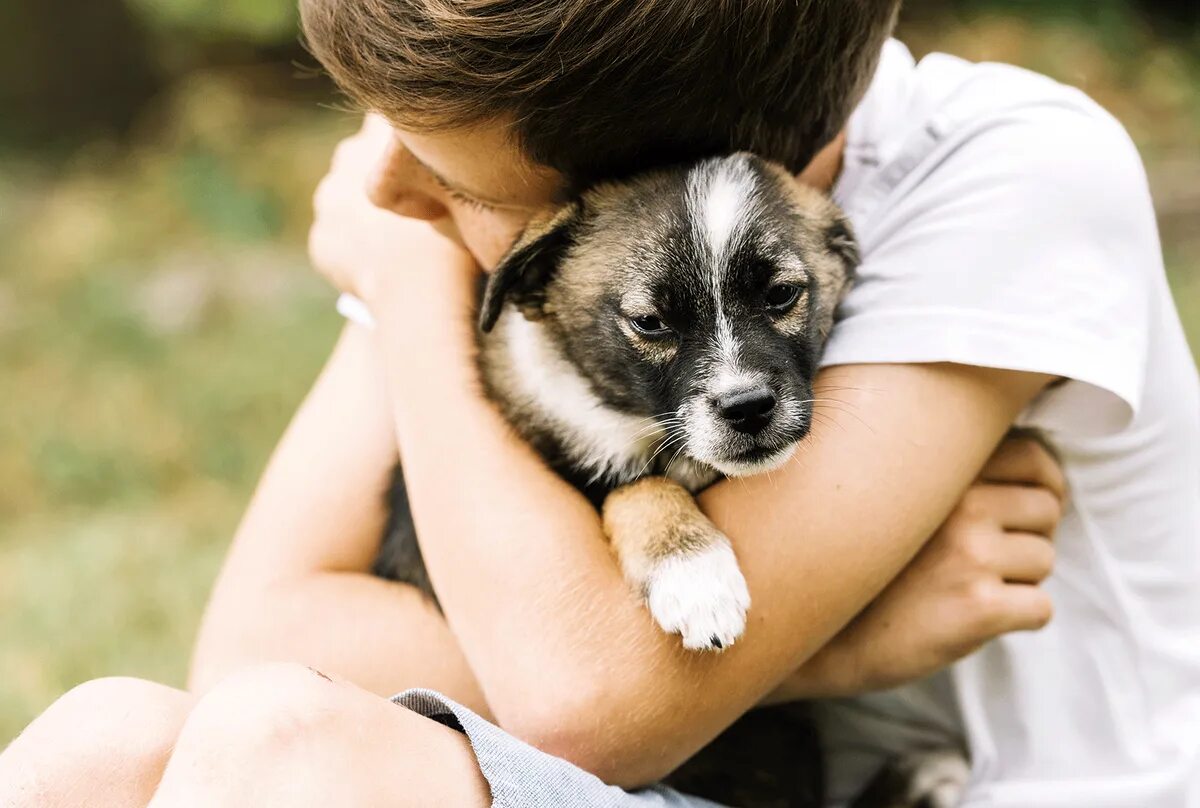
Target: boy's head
587	90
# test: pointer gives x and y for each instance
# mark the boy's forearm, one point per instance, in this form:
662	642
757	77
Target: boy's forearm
383	636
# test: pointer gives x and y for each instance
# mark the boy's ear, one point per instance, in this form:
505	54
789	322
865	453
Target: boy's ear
524	271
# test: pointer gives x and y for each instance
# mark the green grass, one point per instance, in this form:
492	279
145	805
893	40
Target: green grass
159	325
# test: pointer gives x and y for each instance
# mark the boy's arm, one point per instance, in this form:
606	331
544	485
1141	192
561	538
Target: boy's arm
566	656
295	585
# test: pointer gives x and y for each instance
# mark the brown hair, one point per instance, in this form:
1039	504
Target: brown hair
601	88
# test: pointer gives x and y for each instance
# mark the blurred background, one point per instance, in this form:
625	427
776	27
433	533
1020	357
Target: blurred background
159	325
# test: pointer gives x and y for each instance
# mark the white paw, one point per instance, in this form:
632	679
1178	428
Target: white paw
939	778
701	596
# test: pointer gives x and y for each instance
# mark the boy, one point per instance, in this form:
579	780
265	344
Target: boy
1011	274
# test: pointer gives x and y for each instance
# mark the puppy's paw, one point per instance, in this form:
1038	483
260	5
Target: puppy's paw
939	778
701	596
931	778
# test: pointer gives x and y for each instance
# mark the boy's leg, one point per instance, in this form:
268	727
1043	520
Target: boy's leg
286	735
102	745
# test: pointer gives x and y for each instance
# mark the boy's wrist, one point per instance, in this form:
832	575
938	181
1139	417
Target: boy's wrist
833	672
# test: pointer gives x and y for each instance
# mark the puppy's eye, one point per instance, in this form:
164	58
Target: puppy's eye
781	296
649	326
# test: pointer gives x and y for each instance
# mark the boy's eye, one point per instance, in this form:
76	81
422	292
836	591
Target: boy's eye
649	326
782	296
468	200
459	196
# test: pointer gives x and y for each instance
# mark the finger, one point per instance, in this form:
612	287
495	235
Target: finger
1025	460
1023	607
1017	507
1024	558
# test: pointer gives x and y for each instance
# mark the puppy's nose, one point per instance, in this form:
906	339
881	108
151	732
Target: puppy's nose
747	410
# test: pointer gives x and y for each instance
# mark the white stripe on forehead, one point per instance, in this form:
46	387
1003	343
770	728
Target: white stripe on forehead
720	197
720	193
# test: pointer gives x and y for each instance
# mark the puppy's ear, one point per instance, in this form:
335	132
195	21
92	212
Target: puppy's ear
834	278
842	243
524	271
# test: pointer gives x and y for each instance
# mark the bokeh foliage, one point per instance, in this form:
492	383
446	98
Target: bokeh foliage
158	323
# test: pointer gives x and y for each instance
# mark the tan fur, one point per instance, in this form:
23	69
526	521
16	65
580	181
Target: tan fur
651	519
829	270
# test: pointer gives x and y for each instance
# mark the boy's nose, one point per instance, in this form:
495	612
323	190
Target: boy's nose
747	410
397	183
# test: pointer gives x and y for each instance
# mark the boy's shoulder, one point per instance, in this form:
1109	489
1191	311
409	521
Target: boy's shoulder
1005	221
990	122
945	137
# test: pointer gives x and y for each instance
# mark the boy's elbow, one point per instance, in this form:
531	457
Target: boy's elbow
588	732
620	764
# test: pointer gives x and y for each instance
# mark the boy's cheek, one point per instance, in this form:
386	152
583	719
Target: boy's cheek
486	235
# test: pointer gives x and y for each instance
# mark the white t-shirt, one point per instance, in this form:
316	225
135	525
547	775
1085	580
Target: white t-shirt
1006	222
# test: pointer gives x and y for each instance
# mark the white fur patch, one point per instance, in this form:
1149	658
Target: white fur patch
733	468
700	596
939	777
721	193
690	473
729	380
609	443
725	360
724	200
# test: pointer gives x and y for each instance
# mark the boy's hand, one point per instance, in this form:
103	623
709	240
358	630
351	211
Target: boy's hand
359	247
975	579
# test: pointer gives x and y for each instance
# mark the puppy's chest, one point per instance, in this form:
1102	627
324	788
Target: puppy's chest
549	402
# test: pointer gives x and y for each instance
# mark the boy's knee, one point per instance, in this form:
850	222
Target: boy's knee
263	715
117	728
122	715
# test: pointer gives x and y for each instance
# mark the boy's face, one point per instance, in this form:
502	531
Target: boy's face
478	188
474	185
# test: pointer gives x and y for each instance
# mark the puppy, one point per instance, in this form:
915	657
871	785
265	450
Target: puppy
647	339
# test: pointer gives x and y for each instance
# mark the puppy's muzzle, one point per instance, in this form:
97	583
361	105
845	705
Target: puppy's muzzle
747	410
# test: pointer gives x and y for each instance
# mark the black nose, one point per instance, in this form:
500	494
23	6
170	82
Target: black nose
748	410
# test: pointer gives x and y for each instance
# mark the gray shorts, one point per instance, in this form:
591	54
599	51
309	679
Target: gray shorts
523	777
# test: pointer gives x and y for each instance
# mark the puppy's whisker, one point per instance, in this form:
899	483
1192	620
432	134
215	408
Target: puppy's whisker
660	450
658	423
674	457
846	409
825	420
836	388
663	448
650	430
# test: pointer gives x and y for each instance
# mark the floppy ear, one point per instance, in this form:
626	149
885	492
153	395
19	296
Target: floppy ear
835	277
524	271
842	243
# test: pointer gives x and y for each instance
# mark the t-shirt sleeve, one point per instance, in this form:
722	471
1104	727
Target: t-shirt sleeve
1029	245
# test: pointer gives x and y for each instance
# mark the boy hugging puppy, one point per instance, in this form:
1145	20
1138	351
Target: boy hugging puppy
899	563
1008	247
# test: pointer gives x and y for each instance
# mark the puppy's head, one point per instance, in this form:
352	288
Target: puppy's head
700	297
